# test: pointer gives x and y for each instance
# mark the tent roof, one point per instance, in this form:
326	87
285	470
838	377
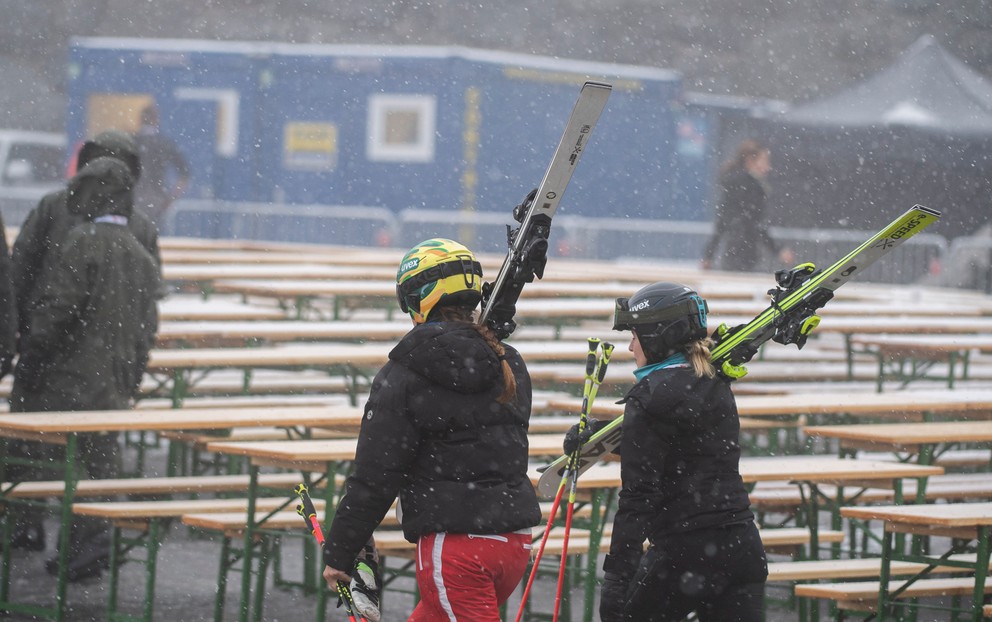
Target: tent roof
926	88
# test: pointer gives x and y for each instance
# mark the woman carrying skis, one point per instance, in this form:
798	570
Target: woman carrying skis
681	488
445	428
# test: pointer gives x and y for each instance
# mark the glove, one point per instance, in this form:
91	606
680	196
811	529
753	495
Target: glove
613	597
574	440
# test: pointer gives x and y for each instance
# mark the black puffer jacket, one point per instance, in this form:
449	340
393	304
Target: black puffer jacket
434	433
680	453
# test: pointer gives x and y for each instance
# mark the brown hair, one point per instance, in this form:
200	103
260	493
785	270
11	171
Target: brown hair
698	354
463	314
748	149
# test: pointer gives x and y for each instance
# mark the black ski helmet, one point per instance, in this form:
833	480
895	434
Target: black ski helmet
664	316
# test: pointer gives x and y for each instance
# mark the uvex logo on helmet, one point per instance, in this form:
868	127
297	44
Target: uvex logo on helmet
641	305
412	264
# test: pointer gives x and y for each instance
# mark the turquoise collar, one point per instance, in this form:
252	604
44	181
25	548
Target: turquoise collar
675	360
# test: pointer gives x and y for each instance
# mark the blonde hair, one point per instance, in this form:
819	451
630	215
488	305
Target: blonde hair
698	354
463	314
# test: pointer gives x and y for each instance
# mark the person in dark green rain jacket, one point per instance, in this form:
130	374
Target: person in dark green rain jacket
91	333
40	239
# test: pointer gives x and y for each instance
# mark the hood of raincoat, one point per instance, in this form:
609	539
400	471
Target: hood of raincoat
451	354
111	144
104	186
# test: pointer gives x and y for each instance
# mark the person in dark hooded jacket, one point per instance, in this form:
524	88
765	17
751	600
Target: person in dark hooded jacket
36	254
40	239
445	428
90	334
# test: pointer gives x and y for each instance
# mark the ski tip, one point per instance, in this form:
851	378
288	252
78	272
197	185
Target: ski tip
927	210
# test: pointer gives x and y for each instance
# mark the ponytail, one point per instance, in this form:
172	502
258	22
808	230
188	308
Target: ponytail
698	354
461	314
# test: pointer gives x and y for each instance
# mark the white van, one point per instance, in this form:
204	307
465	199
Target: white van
31	165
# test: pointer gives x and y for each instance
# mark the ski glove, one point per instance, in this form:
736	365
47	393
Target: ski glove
574	440
613	597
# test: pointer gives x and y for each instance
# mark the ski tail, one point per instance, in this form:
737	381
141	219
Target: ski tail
527	254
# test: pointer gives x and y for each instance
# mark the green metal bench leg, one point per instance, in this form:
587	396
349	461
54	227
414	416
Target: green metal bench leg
153	543
116	552
263	567
225	563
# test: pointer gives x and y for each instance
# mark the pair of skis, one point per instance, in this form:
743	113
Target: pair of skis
789	318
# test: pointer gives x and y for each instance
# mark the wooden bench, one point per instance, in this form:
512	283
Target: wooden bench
953	458
185	485
869	567
863	595
786	499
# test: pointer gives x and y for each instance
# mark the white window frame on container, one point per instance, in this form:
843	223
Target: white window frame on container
383	143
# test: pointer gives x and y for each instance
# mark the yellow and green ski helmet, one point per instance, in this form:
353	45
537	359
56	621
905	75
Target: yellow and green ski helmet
437	272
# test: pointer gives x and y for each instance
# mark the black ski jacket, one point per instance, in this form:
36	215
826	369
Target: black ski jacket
434	433
679	462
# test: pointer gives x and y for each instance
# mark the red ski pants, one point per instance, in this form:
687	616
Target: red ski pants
466	577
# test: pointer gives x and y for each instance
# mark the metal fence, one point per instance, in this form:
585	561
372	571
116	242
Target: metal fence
313	224
572	236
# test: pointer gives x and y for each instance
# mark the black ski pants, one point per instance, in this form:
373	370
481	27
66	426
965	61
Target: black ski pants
717	572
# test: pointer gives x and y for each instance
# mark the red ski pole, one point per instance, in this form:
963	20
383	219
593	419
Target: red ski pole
307	510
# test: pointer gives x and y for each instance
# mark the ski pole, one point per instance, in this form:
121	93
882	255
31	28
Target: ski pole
590	374
307	510
573	469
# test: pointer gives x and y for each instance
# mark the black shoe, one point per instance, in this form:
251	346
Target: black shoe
86	566
28	537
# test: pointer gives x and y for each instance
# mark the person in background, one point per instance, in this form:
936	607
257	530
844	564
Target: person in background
8	307
165	172
37	251
39	241
681	489
445	428
740	224
90	335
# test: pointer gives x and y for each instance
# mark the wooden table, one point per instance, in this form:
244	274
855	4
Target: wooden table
64	427
912	357
901	404
926	439
176	309
183	368
960	521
